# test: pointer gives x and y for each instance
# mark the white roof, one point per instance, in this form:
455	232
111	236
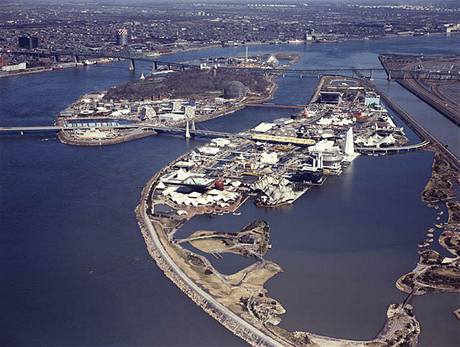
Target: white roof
208	150
264	127
160	185
214	192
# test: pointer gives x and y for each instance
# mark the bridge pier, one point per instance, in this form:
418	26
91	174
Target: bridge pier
155	66
389	75
132	65
187	131
76	59
370	74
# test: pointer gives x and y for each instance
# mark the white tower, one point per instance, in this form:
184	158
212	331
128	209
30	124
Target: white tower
349	146
187	130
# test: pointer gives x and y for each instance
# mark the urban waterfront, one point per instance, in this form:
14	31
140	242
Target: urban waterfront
75	265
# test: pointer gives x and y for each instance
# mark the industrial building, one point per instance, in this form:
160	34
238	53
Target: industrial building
27	42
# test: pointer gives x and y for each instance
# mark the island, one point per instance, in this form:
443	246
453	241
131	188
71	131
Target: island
274	164
171	97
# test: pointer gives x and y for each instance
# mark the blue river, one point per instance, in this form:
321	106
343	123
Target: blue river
74	267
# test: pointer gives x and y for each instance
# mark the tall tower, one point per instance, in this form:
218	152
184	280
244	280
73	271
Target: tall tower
187	130
122	37
349	146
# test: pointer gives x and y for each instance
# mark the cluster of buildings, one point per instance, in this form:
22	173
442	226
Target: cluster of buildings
93	107
157	29
277	162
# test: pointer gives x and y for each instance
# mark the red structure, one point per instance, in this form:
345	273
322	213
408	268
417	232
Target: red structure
3	61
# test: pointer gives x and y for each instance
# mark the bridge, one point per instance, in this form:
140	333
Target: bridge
272	105
389	150
161	129
415	126
132	57
142	126
208	133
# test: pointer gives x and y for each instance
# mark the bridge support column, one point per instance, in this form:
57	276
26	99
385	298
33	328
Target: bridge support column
370	74
76	59
132	65
187	131
193	124
389	75
155	65
56	58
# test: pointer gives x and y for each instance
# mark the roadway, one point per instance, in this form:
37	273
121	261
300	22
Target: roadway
397	149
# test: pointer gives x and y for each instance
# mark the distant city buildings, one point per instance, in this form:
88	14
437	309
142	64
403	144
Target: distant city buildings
27	42
122	37
157	29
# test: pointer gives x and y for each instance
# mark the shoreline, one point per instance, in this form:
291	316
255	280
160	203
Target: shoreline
53	68
155	247
158	233
121	138
255	43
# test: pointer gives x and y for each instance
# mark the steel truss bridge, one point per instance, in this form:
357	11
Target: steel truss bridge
132	57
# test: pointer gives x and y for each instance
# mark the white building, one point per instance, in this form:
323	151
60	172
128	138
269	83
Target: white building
372	99
17	67
171	117
147	112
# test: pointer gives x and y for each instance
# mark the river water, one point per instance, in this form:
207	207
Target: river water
75	270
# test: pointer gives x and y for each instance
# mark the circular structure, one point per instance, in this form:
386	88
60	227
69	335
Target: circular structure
235	90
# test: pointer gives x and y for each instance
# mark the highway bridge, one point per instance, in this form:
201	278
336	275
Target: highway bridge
272	105
132	57
395	149
142	126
